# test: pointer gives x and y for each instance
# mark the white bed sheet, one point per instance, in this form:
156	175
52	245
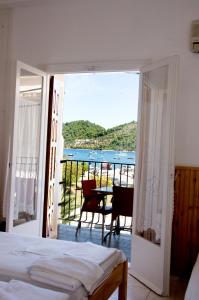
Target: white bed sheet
17	254
19	290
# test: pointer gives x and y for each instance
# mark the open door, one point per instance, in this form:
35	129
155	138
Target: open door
154	179
27	165
54	152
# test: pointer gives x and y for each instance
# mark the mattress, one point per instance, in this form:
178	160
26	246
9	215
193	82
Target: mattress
18	253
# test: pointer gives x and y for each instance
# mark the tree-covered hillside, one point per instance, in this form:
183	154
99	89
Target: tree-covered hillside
81	130
87	135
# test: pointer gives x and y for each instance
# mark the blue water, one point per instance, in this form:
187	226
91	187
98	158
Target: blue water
124	157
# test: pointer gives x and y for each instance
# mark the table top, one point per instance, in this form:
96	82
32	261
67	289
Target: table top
108	190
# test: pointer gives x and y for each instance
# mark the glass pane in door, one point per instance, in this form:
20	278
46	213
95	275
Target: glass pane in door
27	146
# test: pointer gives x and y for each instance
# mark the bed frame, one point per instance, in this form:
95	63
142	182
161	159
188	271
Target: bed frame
117	279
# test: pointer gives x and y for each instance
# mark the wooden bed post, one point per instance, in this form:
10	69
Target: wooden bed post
117	279
122	293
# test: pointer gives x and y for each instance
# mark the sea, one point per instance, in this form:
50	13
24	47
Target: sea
111	156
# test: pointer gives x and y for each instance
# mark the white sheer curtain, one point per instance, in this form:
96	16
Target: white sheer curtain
28	129
151	156
28	137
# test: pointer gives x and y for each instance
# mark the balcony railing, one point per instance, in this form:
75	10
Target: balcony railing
105	173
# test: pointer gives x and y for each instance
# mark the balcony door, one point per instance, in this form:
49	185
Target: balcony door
54	150
153	199
27	164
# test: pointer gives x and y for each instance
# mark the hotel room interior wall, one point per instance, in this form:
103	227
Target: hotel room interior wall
92	30
4	50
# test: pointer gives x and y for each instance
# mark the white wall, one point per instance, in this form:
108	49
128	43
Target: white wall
93	30
4	54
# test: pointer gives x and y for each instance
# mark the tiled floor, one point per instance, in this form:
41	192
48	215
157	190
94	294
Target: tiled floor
137	291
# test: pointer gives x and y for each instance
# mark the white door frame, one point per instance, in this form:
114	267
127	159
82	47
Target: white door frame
137	65
96	66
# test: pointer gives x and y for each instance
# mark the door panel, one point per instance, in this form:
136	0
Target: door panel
153	200
50	195
28	144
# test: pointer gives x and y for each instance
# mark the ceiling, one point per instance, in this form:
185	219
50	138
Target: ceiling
12	2
18	3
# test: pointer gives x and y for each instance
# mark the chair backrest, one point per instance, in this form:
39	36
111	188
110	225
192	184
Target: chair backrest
91	202
122	201
87	186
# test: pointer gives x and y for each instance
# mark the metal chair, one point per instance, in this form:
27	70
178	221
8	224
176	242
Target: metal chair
94	202
122	205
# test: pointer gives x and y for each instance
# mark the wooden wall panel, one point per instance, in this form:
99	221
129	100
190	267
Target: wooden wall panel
195	216
185	236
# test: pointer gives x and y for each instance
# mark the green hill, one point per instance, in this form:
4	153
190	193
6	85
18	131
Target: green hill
87	135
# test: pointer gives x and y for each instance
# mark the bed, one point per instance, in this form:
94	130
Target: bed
19	290
192	291
20	254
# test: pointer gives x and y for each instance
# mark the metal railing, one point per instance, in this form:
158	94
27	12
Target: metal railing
105	173
26	166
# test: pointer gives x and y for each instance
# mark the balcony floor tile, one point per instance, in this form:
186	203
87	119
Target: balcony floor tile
122	241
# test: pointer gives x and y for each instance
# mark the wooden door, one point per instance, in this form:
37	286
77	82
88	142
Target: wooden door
50	203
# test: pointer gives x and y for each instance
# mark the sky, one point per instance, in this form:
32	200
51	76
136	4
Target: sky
106	99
